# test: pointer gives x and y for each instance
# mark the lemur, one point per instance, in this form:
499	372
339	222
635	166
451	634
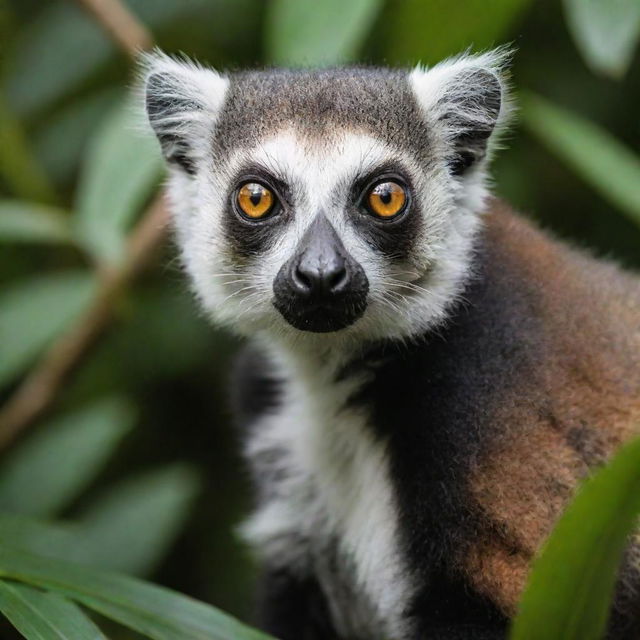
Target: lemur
429	377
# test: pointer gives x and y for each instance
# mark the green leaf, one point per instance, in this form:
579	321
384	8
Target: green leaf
132	526
154	611
22	221
54	539
55	464
571	584
129	529
307	32
45	616
125	530
606	32
39	69
606	164
122	167
61	142
417	31
33	312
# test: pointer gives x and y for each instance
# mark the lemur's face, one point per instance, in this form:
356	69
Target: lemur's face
326	201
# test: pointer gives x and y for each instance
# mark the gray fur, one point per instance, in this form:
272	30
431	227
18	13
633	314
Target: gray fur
319	102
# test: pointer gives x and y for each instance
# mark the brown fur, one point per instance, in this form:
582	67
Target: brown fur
587	377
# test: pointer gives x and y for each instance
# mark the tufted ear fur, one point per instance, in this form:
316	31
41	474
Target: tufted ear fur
464	99
182	101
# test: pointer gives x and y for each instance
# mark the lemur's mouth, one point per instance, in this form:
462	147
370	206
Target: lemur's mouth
321	288
322	319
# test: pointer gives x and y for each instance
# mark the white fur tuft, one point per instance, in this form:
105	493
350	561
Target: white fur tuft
456	88
193	96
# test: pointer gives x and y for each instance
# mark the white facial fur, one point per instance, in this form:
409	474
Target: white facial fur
406	297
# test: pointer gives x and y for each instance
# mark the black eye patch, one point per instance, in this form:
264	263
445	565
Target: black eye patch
393	237
251	237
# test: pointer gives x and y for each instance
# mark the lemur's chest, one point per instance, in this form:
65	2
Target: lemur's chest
328	507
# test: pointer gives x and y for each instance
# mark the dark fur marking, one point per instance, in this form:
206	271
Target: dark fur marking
175	148
254	390
449	605
471	143
249	238
293	608
587	443
394	238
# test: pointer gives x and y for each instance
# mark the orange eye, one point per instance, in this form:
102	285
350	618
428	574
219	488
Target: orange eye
387	199
255	200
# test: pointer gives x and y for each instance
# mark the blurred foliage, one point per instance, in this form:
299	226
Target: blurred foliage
317	33
121	156
607	165
34	311
153	611
137	470
572	581
606	31
427	32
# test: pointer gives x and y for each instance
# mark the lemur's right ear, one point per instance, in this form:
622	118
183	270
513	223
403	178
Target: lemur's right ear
182	101
465	100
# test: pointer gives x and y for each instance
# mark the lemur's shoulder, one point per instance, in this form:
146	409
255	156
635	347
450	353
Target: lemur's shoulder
569	326
584	312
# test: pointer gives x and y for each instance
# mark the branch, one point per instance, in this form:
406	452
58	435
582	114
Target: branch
120	24
41	387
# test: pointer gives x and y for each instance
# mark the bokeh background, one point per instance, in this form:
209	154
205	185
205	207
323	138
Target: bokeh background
135	465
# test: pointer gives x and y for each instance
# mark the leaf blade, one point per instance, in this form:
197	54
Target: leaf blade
317	33
605	32
22	221
150	609
606	164
34	311
131	527
51	468
53	539
572	581
122	167
45	616
437	29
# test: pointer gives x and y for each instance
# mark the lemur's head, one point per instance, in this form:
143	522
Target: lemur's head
339	201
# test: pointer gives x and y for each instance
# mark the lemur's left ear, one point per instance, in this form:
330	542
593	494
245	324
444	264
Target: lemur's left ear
182	101
464	100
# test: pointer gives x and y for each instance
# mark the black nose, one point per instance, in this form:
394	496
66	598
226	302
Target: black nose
321	288
318	279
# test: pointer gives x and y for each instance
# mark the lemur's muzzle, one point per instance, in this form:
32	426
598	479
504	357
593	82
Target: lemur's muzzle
321	288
